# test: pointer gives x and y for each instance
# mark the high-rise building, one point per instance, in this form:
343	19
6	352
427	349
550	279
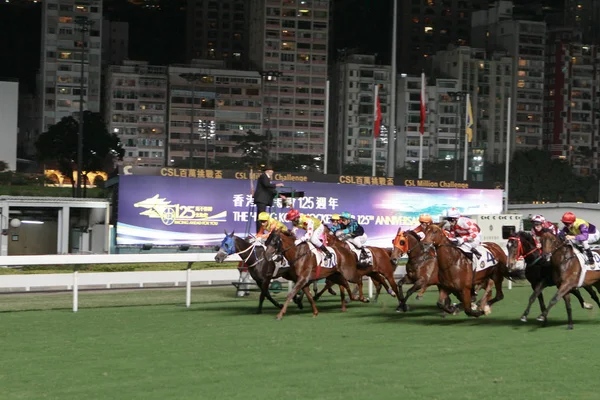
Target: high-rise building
428	26
353	102
136	110
115	42
218	30
70	29
572	101
212	106
584	16
496	30
289	40
489	80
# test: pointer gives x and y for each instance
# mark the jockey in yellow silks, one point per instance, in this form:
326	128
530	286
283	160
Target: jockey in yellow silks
268	225
313	227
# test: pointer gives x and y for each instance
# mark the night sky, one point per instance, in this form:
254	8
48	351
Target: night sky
159	36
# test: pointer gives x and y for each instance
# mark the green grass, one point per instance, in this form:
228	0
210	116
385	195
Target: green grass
147	345
60	269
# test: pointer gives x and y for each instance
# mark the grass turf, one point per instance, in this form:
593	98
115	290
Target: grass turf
147	345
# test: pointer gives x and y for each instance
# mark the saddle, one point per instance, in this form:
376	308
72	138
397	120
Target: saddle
362	260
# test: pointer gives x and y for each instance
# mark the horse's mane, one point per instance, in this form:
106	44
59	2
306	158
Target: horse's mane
414	235
523	235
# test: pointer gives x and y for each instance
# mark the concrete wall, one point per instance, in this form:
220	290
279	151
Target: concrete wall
554	211
9	103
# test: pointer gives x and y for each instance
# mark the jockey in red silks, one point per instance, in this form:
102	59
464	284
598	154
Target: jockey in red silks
313	227
463	231
540	225
581	232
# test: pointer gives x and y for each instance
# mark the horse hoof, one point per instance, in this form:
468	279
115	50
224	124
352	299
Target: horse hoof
332	292
315	315
541	318
523	318
474	307
365	300
419	297
487	310
570	327
587	306
279	318
280	306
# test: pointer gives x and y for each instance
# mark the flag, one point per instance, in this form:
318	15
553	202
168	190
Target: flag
377	119
423	104
469	122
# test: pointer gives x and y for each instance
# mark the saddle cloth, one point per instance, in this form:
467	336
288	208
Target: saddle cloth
486	260
321	260
357	251
585	267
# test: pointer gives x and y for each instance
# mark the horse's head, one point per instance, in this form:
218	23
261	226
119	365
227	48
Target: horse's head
273	245
400	248
520	245
550	243
434	237
226	248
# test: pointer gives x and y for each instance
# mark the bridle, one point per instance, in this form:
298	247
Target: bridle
521	251
279	244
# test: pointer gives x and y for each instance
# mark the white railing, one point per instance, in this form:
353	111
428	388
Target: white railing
106	279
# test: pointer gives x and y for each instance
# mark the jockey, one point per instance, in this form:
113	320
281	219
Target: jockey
352	232
540	225
581	232
335	223
424	221
268	224
463	231
313	227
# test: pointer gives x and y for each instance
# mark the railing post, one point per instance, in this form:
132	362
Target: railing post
75	291
370	288
188	286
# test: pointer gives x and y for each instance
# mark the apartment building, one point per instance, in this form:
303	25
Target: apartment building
208	108
69	29
136	110
288	46
353	102
572	100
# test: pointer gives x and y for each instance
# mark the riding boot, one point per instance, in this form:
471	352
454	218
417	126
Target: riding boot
590	256
324	249
476	252
363	254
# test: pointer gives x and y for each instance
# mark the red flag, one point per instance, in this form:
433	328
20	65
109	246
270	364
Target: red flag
423	105
377	126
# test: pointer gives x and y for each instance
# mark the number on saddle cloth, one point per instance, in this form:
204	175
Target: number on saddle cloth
487	259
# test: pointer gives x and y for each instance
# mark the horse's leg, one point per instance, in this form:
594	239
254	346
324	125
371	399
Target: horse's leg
403	306
537	294
300	283
443	303
421	292
264	292
592	294
484	305
567	300
584	305
315	287
497	282
328	285
466	301
260	283
306	291
564	289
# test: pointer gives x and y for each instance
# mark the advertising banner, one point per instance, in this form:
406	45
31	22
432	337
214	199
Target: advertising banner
172	211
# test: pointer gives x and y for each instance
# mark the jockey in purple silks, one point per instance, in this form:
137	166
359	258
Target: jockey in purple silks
581	232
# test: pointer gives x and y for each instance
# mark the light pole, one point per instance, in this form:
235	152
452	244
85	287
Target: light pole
83	24
192	78
268	76
458	98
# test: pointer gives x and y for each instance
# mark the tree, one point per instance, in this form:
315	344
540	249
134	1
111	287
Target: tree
254	148
3	166
59	145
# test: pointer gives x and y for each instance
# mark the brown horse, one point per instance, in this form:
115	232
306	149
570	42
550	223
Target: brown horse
379	270
457	276
567	272
305	268
421	268
525	260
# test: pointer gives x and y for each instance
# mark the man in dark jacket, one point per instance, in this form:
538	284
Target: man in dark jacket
265	192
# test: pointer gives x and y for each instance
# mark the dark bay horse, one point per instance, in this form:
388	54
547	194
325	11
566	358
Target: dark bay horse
260	269
421	268
457	276
524	256
566	271
305	269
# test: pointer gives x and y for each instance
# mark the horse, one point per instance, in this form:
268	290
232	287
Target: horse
379	269
421	268
456	274
305	267
567	272
522	246
260	269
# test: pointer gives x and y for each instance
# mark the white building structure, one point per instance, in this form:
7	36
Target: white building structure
9	100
